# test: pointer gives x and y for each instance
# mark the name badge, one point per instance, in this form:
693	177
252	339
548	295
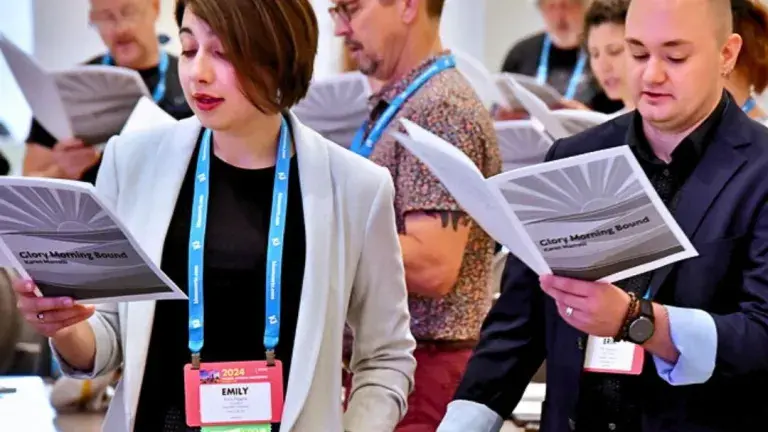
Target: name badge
604	355
248	394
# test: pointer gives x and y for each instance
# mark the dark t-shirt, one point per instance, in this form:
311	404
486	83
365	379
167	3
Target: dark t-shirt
524	58
173	103
234	274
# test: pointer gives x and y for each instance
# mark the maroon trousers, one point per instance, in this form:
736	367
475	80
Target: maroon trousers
439	368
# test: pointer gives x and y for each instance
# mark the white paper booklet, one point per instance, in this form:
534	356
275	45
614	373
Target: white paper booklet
481	80
529	408
538	110
591	217
336	106
62	236
548	95
575	121
521	143
89	102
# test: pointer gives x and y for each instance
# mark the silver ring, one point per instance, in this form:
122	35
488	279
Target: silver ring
41	317
568	311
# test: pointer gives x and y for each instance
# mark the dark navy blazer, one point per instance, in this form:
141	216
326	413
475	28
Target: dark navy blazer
722	208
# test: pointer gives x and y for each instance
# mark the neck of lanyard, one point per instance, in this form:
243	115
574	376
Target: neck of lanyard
749	105
364	146
274	246
159	93
542	72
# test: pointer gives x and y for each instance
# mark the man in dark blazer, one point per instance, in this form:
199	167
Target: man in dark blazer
702	323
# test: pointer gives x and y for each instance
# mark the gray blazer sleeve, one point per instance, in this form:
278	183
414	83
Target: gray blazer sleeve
382	360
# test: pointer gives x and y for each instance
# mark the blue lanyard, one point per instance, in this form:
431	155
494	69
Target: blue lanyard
543	70
749	105
159	92
274	246
364	146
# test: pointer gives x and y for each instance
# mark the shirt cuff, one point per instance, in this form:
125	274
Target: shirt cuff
463	416
694	334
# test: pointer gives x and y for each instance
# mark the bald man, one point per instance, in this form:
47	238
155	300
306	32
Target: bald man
127	28
683	348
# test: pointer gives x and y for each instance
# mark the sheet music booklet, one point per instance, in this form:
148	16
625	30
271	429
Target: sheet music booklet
90	102
591	217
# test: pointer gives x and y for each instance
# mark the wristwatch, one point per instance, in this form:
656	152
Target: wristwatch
641	328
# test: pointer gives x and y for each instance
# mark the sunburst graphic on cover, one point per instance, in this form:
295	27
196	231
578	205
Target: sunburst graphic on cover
600	189
55	214
69	245
591	220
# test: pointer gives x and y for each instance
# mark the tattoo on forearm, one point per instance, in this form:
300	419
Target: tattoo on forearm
452	219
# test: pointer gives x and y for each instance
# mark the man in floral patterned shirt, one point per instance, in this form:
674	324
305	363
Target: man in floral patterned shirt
447	256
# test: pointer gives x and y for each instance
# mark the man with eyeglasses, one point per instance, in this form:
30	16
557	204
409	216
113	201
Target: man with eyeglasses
447	256
127	28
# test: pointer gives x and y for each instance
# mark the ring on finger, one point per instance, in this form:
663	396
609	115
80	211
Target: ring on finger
568	311
41	317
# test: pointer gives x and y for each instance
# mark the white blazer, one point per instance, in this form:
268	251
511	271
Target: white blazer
354	273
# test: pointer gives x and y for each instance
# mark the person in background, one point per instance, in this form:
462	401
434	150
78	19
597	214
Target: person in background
255	202
555	56
693	355
750	77
127	28
447	256
604	26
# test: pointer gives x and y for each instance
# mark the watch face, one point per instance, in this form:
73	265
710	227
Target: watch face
640	330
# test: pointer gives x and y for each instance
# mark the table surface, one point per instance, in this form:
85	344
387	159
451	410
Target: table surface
79	422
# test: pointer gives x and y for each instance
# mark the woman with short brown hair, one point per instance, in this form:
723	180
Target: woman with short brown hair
750	77
286	234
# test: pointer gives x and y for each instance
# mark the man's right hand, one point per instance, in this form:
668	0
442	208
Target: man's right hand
48	316
74	158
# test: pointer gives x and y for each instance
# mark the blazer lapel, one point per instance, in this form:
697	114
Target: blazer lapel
317	200
167	175
719	164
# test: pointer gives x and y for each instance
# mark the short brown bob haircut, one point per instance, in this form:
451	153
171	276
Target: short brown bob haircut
271	44
750	21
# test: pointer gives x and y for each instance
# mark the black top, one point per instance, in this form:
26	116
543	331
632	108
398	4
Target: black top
173	103
234	276
617	399
524	58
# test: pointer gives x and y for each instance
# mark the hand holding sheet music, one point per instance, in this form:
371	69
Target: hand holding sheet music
91	103
60	234
592	217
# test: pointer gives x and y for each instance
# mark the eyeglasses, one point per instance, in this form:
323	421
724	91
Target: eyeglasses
340	12
107	20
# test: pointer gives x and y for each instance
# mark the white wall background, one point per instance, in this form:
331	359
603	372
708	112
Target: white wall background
58	35
61	36
16	25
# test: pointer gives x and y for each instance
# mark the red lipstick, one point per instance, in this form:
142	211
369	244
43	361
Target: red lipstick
206	102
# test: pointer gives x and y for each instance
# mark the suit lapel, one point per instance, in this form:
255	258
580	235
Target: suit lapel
719	164
167	175
317	199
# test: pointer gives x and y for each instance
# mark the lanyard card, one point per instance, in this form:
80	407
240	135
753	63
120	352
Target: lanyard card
604	355
234	396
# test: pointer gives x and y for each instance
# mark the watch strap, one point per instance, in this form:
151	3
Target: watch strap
632	312
646	309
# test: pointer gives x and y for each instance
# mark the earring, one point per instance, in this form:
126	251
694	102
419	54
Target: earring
278	96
